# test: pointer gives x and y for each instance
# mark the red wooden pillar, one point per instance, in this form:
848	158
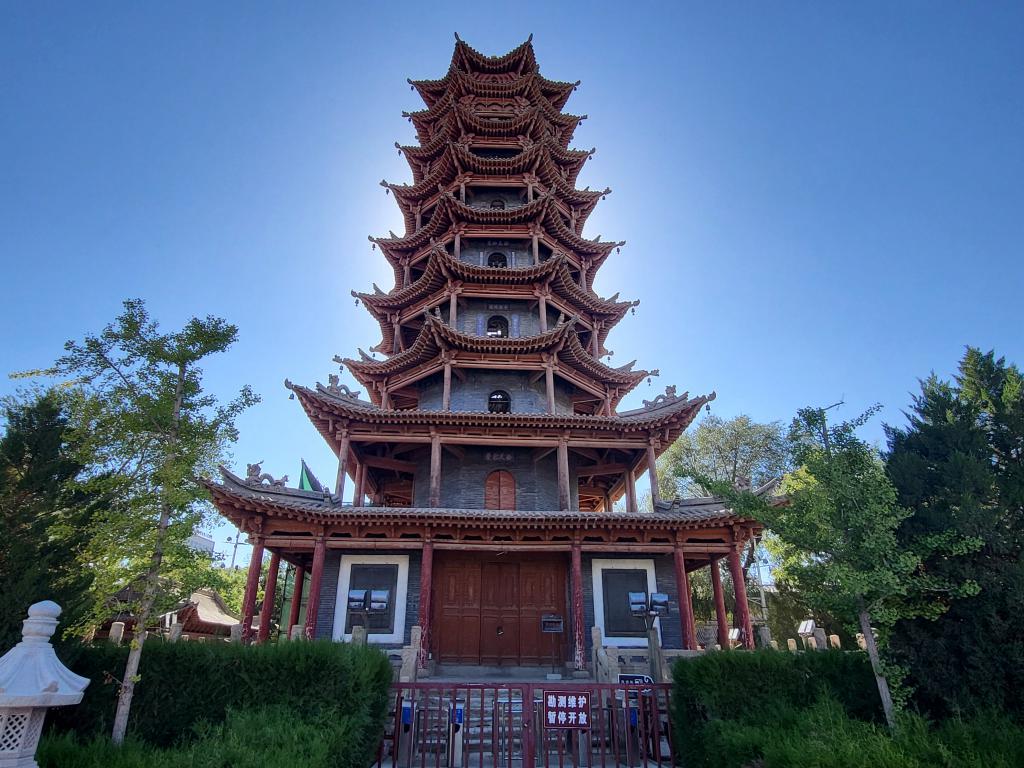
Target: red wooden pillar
740	589
435	470
652	473
578	630
685	601
426	595
339	484
564	496
293	614
359	491
313	604
630	482
446	397
269	593
720	617
252	583
549	385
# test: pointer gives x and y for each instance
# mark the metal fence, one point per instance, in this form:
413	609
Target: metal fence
527	725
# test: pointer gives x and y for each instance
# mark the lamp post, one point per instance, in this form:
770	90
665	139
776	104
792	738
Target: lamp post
650	609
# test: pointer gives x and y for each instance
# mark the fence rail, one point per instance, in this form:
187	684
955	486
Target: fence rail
526	725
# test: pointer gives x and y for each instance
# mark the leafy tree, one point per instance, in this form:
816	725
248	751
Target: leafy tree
148	431
959	466
838	531
43	513
734	450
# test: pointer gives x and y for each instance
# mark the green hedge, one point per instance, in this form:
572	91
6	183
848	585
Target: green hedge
186	686
717	691
274	736
824	736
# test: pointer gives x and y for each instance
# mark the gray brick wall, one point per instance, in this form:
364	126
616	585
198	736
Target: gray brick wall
329	591
522	321
481	197
328	595
519	253
472	394
462	480
664	578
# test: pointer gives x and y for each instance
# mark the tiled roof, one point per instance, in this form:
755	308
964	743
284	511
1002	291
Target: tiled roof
324	507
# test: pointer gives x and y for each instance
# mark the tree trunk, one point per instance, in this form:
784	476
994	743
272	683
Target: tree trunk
131	670
876	664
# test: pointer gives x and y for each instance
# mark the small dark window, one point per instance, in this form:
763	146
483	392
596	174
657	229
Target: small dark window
497	260
497	205
616	585
497	327
499	402
374	577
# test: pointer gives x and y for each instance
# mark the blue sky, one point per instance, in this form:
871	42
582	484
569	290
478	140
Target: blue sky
820	200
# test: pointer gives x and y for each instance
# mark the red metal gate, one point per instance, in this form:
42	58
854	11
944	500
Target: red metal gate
478	725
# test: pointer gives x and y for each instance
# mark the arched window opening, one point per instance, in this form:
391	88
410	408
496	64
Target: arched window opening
500	490
497	327
497	205
497	260
499	401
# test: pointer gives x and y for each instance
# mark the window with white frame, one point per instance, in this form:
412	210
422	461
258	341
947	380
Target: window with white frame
612	580
373	572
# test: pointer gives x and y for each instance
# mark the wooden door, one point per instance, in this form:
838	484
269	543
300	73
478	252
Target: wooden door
487	610
500	490
499	613
457	611
541	590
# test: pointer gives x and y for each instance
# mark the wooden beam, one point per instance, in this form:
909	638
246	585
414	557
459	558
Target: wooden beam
602	469
456	451
382	462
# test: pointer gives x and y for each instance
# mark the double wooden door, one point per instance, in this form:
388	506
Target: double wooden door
487	610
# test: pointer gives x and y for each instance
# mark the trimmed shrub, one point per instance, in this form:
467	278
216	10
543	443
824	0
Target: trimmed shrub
274	736
185	687
719	691
824	736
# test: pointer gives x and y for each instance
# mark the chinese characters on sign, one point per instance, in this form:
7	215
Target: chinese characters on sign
566	709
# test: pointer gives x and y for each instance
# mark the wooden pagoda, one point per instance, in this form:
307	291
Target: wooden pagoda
488	453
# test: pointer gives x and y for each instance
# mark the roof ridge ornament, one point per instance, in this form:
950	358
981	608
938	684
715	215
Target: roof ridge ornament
670	396
335	387
254	476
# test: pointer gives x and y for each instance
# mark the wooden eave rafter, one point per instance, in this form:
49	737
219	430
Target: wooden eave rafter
461	83
422	359
519	61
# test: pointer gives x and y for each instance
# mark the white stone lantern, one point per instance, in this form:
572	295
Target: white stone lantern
32	680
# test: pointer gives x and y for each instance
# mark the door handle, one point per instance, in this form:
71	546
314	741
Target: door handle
499	631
